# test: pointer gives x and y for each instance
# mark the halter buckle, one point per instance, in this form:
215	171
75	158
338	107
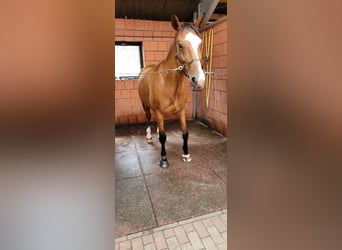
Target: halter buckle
180	67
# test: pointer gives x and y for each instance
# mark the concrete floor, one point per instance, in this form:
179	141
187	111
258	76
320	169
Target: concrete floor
148	196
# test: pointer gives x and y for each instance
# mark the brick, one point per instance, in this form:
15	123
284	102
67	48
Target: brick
129	32
141	118
150	247
208	243
159	240
148	33
137	244
195	240
119	85
223	217
169	233
222	246
125	245
124	94
132	119
139	24
186	246
159	56
119	23
222	85
158	34
139	33
129	23
218	224
120	103
123	120
181	235
215	235
149	25
172	243
147	239
157	26
188	227
224	236
207	222
200	229
134	93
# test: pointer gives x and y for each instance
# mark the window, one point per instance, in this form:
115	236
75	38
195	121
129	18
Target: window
128	60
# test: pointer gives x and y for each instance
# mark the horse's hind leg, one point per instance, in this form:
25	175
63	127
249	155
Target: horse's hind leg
182	118
148	129
162	139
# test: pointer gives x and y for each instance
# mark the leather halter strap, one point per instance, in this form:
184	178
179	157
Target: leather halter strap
183	64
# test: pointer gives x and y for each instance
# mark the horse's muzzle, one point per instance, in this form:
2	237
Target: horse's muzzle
197	85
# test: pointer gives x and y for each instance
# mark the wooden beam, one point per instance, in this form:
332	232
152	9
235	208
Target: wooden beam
216	16
208	8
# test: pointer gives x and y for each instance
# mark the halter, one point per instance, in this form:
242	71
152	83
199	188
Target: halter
183	65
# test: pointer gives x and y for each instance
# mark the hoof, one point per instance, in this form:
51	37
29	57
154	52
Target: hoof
149	140
187	158
164	164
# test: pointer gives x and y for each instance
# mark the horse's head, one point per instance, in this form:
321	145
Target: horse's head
189	50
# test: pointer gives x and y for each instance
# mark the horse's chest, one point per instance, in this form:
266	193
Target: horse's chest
171	104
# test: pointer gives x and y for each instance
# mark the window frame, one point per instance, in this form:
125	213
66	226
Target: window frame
129	43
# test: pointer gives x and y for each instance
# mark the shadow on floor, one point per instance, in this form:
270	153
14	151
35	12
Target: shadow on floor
148	196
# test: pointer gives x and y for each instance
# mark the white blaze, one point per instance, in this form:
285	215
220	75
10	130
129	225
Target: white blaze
195	42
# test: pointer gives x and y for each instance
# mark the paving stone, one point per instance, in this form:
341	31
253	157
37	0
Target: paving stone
223	217
195	240
207	222
222	246
169	233
172	243
209	243
224	236
219	224
215	235
186	246
159	240
200	229
181	235
137	244
150	246
147	239
126	245
188	227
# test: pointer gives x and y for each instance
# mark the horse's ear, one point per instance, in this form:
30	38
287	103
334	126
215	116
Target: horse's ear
175	22
198	22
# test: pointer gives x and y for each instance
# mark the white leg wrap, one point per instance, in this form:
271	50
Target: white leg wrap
157	132
186	158
148	134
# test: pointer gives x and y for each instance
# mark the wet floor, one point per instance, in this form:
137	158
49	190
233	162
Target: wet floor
148	196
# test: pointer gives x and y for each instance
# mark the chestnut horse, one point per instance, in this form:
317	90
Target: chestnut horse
161	86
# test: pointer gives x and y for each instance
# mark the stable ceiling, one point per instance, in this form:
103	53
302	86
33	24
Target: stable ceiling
164	9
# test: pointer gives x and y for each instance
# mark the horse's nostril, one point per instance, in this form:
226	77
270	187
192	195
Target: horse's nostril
193	79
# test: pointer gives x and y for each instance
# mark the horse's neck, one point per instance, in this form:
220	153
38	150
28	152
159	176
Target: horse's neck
171	63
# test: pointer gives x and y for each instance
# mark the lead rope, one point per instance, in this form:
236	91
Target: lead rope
208	38
180	68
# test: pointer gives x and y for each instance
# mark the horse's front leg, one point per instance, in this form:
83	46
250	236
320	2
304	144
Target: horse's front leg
162	139
182	118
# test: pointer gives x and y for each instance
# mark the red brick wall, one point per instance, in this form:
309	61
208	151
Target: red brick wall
156	38
216	114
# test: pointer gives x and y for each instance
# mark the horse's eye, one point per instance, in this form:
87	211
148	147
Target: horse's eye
180	46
